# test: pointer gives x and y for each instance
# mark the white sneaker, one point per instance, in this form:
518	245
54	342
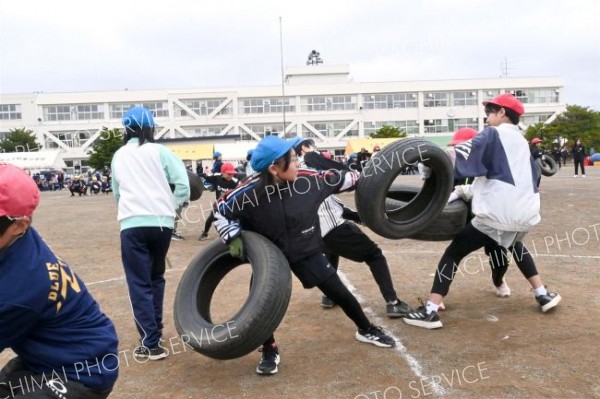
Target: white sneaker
582	175
575	176
503	291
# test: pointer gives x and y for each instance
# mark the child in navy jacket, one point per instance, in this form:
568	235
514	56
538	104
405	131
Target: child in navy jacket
65	346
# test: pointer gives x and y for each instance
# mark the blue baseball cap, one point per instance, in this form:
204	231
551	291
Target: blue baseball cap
217	154
138	117
270	149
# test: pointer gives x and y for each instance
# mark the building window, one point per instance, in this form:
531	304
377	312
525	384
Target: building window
332	129
266	129
490	93
158	109
205	107
10	111
267	105
435	125
455	124
464	98
537	96
328	103
58	113
436	99
532	119
409	127
390	101
205	131
90	111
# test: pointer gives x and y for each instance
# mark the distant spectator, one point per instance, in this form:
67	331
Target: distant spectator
578	157
556	156
218	162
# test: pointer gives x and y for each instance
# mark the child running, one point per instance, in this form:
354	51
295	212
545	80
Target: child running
506	204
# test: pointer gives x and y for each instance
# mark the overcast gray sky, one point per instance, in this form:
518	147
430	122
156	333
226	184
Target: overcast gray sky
62	46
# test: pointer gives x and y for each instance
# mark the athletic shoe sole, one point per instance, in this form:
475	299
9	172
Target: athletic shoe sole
274	371
366	340
151	357
551	304
430	325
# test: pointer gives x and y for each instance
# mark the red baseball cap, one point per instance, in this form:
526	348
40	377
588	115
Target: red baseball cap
507	101
19	195
463	134
228	168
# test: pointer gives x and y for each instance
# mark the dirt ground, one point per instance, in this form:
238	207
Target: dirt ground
489	347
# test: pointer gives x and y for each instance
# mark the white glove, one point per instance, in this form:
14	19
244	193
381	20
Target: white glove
453	197
424	171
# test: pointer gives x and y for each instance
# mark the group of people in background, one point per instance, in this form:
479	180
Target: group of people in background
560	155
95	182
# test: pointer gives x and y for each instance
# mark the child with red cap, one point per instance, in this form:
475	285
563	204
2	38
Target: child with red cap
223	181
505	202
65	346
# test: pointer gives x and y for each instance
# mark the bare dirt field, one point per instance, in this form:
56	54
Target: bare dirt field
489	347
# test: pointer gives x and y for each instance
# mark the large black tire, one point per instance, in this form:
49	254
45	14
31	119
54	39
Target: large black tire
260	315
196	186
452	219
379	174
547	165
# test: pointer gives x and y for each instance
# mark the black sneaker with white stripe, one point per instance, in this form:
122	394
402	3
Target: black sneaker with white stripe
421	318
155	353
376	336
269	360
548	301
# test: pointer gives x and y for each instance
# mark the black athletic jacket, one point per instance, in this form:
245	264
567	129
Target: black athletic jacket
220	183
285	214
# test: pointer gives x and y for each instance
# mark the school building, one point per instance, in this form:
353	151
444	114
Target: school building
317	101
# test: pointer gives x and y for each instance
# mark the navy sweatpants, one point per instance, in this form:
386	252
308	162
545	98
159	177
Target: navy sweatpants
143	251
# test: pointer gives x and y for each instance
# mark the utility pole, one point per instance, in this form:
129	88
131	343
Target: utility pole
282	73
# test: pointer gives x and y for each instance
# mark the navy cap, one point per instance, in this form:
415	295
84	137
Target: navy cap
138	117
270	149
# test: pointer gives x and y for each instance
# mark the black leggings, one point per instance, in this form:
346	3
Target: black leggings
209	222
348	241
577	163
337	291
470	239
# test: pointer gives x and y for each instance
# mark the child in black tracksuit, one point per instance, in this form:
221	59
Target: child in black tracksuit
284	206
344	238
222	182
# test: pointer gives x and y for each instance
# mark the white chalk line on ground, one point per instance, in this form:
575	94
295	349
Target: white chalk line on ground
413	363
110	280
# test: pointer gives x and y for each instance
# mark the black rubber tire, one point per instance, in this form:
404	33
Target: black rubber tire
196	186
452	219
379	174
259	316
547	165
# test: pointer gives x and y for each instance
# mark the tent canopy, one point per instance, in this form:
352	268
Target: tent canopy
354	145
192	152
38	160
235	151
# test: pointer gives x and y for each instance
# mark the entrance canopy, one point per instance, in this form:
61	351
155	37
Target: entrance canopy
39	160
